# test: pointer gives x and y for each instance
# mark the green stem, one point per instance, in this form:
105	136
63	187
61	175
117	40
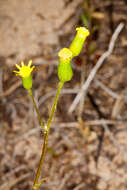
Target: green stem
60	85
36	184
36	108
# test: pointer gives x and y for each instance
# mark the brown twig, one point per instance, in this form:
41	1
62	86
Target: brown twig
112	138
11	89
11	182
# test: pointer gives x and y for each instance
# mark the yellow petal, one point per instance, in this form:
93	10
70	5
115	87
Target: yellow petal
22	63
16	72
32	68
18	67
30	62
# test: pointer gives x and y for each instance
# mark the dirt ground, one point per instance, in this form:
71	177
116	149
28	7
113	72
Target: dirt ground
84	151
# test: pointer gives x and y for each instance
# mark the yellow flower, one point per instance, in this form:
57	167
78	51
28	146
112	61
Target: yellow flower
24	70
82	32
65	54
25	73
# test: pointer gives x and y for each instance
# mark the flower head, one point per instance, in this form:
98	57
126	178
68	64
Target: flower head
64	69
65	55
24	70
82	32
25	73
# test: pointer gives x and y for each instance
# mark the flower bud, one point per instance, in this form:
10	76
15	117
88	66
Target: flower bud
78	41
64	70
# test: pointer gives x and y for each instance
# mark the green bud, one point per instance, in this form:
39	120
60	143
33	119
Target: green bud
64	70
27	82
77	43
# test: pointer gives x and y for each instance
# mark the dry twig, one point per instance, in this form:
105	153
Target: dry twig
50	94
69	125
13	181
1	85
112	138
108	90
11	89
80	186
13	171
64	181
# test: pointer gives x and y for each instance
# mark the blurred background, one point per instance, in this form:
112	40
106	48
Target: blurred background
84	152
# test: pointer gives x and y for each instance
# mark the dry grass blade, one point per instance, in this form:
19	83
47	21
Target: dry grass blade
13	181
115	142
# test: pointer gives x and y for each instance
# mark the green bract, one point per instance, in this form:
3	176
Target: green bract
27	82
64	70
77	43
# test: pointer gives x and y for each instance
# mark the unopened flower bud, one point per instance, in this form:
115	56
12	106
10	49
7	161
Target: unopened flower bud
64	70
78	41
